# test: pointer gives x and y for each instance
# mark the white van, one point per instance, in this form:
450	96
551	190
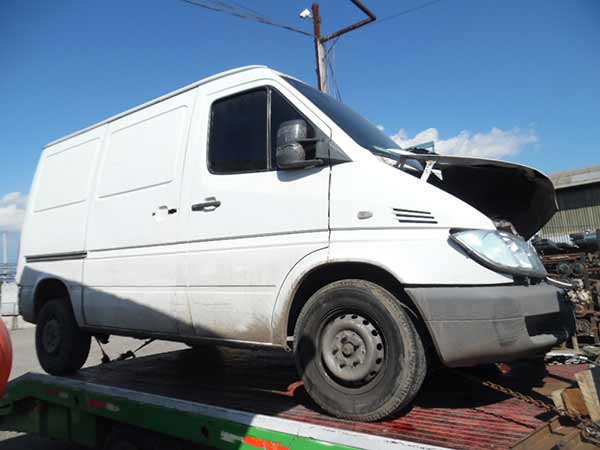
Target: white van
250	209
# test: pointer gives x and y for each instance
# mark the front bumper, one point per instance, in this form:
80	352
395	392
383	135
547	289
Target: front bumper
478	325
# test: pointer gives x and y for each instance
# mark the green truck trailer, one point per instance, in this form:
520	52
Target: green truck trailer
231	399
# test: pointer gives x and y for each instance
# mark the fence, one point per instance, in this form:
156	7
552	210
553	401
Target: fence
568	221
7	273
8	290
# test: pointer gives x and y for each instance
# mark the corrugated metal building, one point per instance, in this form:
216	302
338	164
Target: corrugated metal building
578	197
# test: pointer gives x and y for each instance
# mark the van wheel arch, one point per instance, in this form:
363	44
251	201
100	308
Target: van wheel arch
331	272
48	289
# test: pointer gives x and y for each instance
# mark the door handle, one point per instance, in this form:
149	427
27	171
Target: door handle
210	204
161	209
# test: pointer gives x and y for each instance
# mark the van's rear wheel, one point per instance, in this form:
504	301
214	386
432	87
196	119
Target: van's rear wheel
358	351
61	346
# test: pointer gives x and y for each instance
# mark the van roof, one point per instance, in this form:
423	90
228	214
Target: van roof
159	99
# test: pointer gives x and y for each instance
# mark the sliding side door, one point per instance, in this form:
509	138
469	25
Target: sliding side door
131	272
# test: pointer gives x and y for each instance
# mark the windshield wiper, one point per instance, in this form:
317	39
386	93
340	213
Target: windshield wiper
403	156
426	148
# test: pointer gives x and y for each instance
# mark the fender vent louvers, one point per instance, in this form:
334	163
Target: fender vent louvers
413	216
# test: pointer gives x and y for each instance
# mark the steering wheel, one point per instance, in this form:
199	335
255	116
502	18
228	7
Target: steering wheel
5	357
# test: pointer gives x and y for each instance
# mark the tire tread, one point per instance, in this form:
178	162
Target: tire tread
417	370
76	343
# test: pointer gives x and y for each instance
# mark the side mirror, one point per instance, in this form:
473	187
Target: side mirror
292	144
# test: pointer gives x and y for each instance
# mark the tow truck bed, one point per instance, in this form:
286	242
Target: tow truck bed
239	399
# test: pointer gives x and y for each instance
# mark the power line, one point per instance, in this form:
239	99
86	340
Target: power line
232	11
236	7
325	58
330	58
253	11
406	11
329	55
332	46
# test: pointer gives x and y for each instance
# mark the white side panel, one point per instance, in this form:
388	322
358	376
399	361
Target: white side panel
287	289
413	256
375	187
142	145
143	155
233	283
57	215
131	272
68	271
403	226
119	292
66	176
136	308
263	203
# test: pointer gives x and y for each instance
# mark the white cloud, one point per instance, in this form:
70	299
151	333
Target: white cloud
497	143
12	211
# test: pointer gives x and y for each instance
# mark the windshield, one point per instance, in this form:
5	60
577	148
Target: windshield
363	132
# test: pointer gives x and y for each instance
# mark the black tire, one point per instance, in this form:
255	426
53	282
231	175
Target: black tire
333	318
61	347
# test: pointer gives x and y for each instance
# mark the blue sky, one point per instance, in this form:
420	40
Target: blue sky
514	80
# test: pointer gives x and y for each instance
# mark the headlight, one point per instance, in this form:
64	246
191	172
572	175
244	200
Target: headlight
501	252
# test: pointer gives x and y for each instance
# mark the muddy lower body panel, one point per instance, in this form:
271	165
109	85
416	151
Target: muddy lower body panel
479	325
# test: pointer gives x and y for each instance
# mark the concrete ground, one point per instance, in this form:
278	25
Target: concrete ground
25	360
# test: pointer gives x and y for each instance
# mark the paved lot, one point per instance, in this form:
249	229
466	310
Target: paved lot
25	361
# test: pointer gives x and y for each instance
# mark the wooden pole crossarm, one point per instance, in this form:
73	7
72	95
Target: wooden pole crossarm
363	8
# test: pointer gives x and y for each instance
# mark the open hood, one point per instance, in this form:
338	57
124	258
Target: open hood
500	190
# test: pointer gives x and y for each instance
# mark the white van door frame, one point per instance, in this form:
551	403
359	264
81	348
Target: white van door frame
262	224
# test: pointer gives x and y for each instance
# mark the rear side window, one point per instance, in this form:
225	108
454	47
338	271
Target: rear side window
238	140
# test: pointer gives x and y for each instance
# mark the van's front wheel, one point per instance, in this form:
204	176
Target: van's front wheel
358	352
61	346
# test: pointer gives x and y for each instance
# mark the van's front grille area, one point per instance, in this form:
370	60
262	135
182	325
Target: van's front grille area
544	323
557	323
413	216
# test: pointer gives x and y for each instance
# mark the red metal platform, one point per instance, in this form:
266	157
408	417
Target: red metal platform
449	412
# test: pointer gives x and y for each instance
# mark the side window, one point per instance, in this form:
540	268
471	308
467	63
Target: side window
238	133
282	111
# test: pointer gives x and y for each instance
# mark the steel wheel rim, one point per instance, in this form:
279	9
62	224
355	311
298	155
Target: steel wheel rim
52	336
352	349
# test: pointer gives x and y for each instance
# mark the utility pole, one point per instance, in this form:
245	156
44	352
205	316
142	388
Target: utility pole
319	50
320	41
